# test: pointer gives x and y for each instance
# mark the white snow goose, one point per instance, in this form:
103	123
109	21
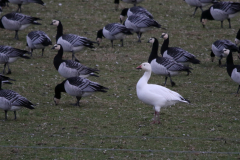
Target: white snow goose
218	46
137	10
178	54
23	2
233	70
12	101
71	42
9	55
38	40
17	21
70	68
77	87
155	95
220	11
199	4
112	32
164	66
140	24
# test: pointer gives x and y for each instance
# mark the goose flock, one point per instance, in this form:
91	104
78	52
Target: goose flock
171	61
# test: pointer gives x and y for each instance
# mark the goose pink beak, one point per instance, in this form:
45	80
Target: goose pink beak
139	67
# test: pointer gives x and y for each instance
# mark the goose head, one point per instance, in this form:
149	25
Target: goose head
237	41
99	36
56	101
145	66
123	14
57	46
164	36
226	51
151	40
55	22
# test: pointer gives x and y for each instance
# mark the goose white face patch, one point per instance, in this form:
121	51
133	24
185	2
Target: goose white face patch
204	21
99	40
226	51
151	40
56	100
57	46
55	22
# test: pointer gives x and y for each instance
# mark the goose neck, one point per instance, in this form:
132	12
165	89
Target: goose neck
154	52
165	45
58	58
230	65
59	31
144	79
58	89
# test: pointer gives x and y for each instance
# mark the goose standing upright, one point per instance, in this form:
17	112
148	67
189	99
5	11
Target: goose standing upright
9	55
218	46
23	2
112	32
233	70
77	87
140	24
199	4
178	54
71	42
220	11
70	68
156	95
38	40
17	22
164	66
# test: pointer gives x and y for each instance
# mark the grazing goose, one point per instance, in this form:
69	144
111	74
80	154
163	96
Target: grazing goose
220	11
219	45
17	21
164	66
38	40
9	55
78	87
156	95
140	24
71	42
70	68
23	2
178	54
112	32
237	39
199	4
138	10
233	70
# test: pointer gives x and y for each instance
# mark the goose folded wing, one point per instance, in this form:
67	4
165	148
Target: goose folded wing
115	28
78	66
229	45
228	7
144	22
180	54
76	40
170	64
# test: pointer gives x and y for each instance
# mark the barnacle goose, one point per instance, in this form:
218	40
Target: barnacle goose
9	55
38	40
112	32
133	11
23	2
77	86
178	54
220	11
199	4
71	42
218	46
237	39
156	95
70	68
12	101
164	66
17	21
233	70
140	24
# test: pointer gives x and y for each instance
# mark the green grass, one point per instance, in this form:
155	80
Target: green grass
212	118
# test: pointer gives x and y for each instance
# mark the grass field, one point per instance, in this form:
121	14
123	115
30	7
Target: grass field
116	125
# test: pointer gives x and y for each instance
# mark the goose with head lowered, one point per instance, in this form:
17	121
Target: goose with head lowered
217	49
140	24
156	95
70	68
112	32
23	2
12	101
220	11
9	55
164	66
176	53
38	40
17	22
77	87
71	42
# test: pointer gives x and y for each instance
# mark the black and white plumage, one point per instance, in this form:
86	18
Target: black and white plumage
178	54
237	39
17	21
221	11
77	87
219	45
140	24
164	66
9	55
70	68
5	79
113	31
199	4
138	10
38	40
233	70
23	2
71	42
12	101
